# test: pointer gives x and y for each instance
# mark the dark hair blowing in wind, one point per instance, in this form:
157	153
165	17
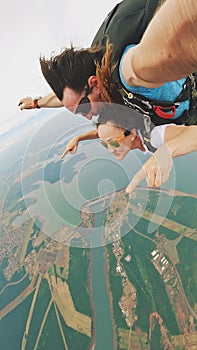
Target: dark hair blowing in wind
71	68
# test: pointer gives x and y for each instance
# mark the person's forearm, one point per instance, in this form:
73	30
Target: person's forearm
73	144
184	143
168	49
49	100
89	135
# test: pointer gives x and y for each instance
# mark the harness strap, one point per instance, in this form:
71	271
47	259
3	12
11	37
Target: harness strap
192	119
154	108
164	112
145	129
154	112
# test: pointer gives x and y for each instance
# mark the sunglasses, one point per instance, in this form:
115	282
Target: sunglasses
115	142
84	106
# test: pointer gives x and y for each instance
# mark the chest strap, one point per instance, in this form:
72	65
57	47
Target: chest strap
192	119
160	111
145	129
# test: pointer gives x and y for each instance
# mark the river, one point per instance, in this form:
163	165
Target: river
104	326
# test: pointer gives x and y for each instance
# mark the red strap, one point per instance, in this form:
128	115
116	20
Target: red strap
35	103
160	111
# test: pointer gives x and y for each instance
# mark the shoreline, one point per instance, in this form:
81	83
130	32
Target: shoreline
93	343
109	293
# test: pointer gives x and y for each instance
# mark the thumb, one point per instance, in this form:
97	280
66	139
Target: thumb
74	150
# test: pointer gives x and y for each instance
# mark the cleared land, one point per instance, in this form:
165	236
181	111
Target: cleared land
165	222
62	297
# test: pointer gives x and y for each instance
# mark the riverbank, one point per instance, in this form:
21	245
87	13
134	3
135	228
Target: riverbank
109	293
93	344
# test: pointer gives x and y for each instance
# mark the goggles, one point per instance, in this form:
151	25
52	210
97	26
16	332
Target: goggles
84	106
115	142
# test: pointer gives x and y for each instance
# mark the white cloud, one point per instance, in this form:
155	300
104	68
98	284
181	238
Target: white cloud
31	28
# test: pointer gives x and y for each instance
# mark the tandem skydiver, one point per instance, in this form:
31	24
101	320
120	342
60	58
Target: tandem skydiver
84	80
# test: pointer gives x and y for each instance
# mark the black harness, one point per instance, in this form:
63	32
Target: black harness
145	129
160	112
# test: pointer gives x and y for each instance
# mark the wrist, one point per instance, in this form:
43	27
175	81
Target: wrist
172	148
76	139
35	102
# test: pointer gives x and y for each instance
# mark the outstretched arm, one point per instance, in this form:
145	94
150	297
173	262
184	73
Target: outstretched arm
167	50
47	101
157	169
73	144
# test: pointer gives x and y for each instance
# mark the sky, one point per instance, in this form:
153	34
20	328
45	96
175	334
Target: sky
39	27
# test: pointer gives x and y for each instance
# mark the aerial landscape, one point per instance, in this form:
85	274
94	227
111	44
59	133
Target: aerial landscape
92	102
102	278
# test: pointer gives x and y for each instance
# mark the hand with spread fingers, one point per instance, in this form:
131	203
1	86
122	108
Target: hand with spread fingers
71	147
26	103
156	170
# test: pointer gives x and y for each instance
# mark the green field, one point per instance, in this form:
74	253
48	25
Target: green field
151	294
116	288
78	279
187	268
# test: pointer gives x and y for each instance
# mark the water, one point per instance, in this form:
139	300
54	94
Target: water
104	327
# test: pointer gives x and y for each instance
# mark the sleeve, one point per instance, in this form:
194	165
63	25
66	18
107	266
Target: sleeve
157	135
141	90
138	89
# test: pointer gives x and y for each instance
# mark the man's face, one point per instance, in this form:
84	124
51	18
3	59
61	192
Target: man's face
71	100
110	133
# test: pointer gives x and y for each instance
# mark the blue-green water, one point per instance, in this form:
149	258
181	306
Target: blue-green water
104	328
